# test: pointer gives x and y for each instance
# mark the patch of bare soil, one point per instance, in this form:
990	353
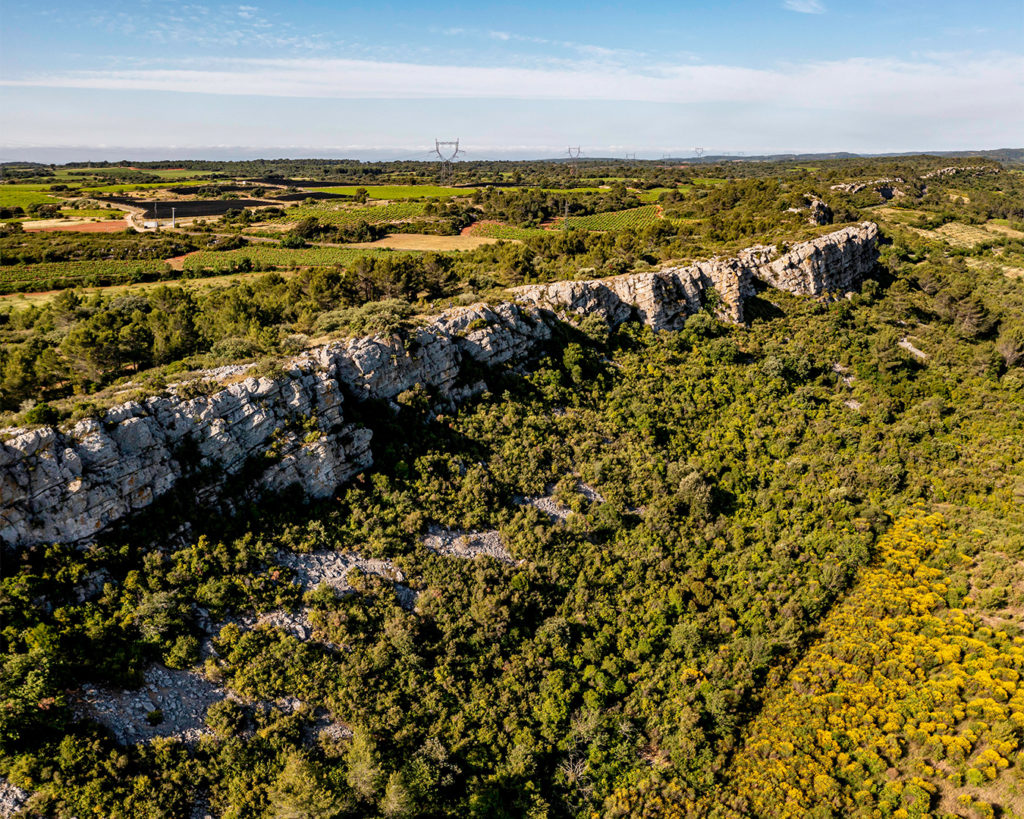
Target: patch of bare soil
52	225
1005	230
178	262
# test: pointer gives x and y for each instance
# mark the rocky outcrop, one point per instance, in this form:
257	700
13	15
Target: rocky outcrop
69	485
273	432
973	170
834	263
665	298
877	184
820	213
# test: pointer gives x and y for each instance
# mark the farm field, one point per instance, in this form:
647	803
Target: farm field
346	216
22	196
165	173
76	225
958	234
40	298
92	213
500	230
426	242
140	186
276	257
396	191
51	275
651	196
616	220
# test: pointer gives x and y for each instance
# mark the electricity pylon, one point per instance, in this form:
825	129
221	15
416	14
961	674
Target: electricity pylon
446	152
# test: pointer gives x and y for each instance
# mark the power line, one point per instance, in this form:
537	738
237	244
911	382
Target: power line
574	155
446	151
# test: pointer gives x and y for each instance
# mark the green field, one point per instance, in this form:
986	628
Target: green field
272	257
164	173
21	196
616	219
373	215
21	278
396	191
137	186
653	194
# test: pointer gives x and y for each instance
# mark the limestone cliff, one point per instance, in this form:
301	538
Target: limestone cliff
66	486
836	262
69	485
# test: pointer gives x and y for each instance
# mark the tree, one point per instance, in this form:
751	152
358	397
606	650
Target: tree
1010	345
300	792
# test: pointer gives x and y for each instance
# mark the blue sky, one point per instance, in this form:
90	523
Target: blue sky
515	79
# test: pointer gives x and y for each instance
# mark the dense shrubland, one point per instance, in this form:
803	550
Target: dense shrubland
737	628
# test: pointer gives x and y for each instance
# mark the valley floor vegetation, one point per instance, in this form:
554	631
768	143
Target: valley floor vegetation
793	590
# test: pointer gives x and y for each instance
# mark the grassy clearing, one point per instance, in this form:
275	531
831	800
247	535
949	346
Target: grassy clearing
397	191
1008	270
1002	228
900	216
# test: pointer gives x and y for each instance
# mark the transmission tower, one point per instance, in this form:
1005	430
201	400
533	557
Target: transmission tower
574	155
698	152
446	152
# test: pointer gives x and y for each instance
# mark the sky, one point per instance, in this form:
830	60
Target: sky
152	80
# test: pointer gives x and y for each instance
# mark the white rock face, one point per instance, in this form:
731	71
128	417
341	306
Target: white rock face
69	485
664	299
65	486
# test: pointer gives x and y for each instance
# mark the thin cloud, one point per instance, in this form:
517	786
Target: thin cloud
953	100
805	6
946	82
